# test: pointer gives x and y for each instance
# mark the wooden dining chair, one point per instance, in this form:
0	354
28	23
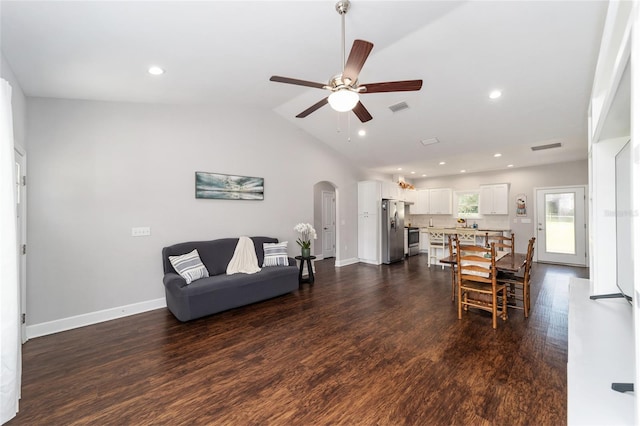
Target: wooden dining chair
518	287
477	281
461	237
502	243
454	267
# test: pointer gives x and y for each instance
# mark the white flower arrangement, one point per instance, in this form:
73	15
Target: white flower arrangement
306	232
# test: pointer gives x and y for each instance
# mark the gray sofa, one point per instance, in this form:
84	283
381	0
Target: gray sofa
220	291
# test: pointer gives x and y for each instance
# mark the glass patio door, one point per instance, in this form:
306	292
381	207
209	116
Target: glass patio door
561	227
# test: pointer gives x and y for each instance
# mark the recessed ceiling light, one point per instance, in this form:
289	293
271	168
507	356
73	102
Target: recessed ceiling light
463	171
362	132
413	173
495	94
424	175
497	155
510	165
442	163
154	70
399	168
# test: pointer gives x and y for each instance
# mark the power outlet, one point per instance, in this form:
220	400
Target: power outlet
141	231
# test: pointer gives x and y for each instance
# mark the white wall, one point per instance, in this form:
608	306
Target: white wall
99	168
521	181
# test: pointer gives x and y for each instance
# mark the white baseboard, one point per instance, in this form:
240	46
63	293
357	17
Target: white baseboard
346	262
64	324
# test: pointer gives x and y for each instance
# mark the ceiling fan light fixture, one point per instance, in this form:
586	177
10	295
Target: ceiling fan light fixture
343	100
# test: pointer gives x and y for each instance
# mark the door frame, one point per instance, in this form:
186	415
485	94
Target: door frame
585	213
20	157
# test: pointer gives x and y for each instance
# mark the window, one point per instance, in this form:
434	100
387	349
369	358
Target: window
466	203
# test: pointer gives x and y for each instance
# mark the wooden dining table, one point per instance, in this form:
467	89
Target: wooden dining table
511	262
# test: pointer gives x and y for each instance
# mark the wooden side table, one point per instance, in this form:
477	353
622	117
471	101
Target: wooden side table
309	268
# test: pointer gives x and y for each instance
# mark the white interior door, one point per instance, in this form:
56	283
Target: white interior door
328	224
561	227
21	236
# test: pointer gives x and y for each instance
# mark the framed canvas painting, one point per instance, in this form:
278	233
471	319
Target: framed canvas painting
217	186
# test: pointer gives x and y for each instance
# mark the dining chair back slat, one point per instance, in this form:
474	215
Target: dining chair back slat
502	243
477	281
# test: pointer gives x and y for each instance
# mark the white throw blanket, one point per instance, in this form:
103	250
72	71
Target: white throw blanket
244	258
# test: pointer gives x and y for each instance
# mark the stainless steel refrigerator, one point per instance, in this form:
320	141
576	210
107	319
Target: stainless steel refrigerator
392	231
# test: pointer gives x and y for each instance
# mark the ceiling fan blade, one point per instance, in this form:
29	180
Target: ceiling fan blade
295	81
361	112
357	57
393	86
313	107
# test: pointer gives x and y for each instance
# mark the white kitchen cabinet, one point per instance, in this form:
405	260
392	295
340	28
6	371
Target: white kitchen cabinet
421	205
369	196
390	190
440	201
409	196
369	238
494	199
424	242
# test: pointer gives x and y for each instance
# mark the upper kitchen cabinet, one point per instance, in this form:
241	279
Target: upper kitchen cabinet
409	196
494	199
421	205
391	190
369	197
440	201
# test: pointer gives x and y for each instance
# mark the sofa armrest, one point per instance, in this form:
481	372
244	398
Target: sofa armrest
174	280
292	262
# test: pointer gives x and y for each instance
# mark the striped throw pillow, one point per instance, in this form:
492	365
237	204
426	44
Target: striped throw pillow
189	266
275	254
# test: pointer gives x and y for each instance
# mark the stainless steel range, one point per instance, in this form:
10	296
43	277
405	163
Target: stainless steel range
413	237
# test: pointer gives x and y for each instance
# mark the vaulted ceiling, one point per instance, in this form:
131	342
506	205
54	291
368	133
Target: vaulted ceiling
540	54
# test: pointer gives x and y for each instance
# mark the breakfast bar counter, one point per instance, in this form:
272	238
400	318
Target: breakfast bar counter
434	240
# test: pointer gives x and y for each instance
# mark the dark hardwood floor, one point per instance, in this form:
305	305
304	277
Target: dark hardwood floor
365	345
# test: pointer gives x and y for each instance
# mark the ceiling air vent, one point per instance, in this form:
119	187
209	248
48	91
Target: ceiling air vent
549	146
398	107
429	141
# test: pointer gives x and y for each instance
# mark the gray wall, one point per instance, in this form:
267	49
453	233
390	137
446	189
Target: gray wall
97	169
522	181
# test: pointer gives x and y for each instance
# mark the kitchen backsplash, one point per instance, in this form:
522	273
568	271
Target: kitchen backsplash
422	221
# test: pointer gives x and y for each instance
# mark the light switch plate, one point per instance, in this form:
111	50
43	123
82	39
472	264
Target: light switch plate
141	231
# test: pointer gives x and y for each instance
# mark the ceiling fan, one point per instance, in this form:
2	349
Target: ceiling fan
344	88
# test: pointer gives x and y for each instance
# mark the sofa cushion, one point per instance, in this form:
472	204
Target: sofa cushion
275	254
215	254
189	266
